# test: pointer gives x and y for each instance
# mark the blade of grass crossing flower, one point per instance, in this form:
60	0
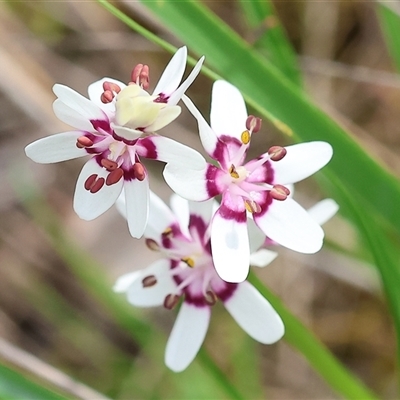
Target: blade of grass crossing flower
389	19
15	385
296	334
270	38
269	89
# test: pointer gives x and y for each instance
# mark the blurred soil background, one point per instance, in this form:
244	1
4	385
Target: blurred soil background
47	311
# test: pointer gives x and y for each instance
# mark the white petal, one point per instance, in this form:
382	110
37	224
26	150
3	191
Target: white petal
290	225
204	209
71	117
90	205
137	205
187	336
228	110
125	281
171	151
230	248
173	73
95	90
121	204
255	315
77	102
262	258
154	295
55	148
301	161
165	116
188	183
323	211
126	133
177	95
207	135
180	208
160	217
256	235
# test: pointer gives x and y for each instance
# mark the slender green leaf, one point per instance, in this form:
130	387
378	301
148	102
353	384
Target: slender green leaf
270	38
389	19
296	334
269	90
15	385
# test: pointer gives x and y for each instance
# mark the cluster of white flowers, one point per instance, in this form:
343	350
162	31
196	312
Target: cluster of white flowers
206	247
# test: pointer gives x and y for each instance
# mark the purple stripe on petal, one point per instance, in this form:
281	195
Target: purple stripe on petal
265	201
227	213
212	174
147	148
264	173
197	223
101	125
227	291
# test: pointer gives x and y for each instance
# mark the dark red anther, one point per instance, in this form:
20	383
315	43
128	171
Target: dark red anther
139	171
140	76
83	141
149	281
171	301
109	165
280	192
90	181
114	176
210	297
111	86
276	153
98	184
253	124
110	89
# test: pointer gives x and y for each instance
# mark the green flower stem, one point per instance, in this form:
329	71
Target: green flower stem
319	357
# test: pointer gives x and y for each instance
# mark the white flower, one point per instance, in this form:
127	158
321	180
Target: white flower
258	187
186	271
116	126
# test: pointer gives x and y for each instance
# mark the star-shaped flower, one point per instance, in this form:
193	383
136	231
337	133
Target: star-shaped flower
258	187
186	272
117	127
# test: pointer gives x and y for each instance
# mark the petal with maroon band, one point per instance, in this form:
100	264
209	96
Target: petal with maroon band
255	315
290	225
230	245
89	205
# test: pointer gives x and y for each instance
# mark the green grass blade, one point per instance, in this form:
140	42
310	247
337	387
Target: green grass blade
389	20
271	40
270	90
15	385
319	357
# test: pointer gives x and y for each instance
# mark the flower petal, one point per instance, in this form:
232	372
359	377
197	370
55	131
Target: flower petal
55	148
177	95
256	235
228	110
165	116
188	183
204	209
301	161
230	246
180	208
137	205
95	90
323	211
160	217
89	205
187	336
79	103
69	116
126	133
290	225
125	281
254	314
152	296
207	135
262	258
173	73
171	151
